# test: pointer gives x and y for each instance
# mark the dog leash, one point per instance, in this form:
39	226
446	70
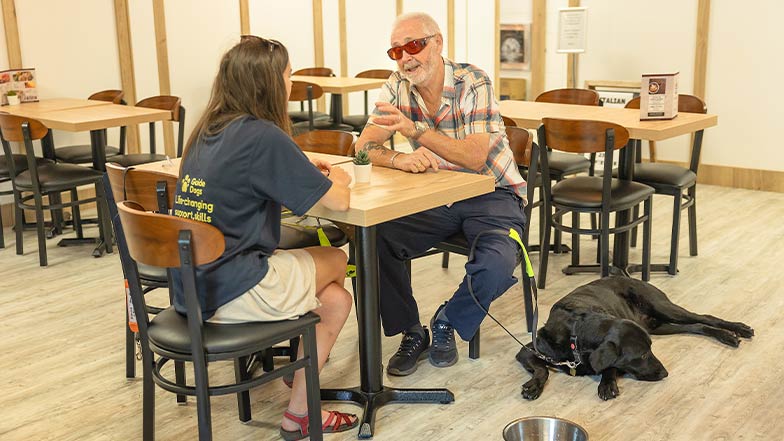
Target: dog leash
529	272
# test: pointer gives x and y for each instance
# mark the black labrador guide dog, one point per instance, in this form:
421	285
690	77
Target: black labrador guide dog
604	328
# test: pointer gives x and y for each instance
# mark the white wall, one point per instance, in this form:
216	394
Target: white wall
74	51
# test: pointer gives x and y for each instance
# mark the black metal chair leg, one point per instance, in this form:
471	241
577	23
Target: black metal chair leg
646	240
544	252
693	220
473	346
575	238
148	397
310	352
39	224
293	347
672	269
179	375
243	398
77	216
445	260
633	238
130	354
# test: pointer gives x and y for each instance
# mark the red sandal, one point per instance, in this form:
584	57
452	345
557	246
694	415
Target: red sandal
336	422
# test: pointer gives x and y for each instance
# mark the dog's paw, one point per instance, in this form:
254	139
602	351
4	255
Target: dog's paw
532	390
742	330
727	337
608	391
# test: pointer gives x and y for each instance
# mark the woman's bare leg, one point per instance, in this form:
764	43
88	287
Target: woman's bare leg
335	306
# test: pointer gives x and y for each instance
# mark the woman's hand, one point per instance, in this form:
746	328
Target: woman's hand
324	166
339	176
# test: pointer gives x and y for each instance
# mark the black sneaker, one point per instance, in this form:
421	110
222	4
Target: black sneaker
444	350
413	348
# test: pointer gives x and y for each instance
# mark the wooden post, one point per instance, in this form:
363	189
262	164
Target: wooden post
701	47
399	7
450	29
12	34
244	18
571	59
127	77
538	43
497	50
318	44
343	48
164	82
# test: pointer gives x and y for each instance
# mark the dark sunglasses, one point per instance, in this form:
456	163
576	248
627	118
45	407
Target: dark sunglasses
271	44
412	47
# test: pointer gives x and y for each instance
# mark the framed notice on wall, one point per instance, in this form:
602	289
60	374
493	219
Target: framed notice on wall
571	30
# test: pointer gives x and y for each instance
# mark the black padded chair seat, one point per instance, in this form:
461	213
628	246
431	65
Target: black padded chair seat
586	192
664	174
567	163
295	236
358	122
54	177
81	154
137	158
20	164
302	115
152	273
168	331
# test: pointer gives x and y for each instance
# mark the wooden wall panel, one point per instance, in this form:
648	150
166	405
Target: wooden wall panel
571	59
318	43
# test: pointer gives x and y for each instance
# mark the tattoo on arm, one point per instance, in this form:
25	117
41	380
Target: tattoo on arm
378	153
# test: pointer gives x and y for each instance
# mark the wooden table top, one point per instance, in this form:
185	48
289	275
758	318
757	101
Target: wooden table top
529	114
391	194
339	85
94	117
33	110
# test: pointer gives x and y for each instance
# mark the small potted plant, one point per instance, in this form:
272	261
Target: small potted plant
362	167
13	97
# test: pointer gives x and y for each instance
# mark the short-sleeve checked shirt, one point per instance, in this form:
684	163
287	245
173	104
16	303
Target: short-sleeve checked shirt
467	106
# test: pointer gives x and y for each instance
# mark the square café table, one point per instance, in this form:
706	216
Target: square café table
391	194
337	86
529	114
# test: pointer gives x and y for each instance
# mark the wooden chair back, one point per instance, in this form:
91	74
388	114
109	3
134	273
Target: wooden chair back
520	142
141	186
163	102
508	122
686	103
113	96
582	136
381	74
152	237
332	142
299	91
315	72
583	97
11	127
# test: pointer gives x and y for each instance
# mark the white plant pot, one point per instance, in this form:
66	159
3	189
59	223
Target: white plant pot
362	173
13	99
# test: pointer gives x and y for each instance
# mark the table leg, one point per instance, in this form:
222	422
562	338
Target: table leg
98	146
620	259
58	221
336	113
371	394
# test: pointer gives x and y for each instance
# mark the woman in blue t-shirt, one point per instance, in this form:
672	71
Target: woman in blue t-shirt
239	168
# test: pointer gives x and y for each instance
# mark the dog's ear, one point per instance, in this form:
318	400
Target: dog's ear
604	356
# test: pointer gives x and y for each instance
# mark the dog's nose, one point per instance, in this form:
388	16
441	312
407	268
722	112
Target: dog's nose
663	374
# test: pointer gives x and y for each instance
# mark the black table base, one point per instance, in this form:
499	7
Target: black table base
371	401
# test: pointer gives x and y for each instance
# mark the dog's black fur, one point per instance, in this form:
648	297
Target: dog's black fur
612	318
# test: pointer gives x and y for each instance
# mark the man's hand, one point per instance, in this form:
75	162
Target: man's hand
417	161
392	119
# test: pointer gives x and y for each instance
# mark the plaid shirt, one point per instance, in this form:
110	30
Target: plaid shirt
467	106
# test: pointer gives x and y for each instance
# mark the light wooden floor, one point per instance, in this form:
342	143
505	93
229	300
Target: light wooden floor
62	368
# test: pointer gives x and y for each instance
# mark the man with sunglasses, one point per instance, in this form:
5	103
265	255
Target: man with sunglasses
450	116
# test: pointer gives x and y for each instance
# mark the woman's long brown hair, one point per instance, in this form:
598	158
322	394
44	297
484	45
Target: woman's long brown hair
249	82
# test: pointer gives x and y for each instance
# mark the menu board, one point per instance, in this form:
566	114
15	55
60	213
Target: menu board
659	96
22	81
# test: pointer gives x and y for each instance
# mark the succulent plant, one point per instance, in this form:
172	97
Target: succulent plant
362	158
11	93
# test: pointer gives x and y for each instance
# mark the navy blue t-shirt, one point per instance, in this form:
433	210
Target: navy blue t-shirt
237	181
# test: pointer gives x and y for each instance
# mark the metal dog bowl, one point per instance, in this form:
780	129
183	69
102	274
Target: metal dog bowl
538	428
